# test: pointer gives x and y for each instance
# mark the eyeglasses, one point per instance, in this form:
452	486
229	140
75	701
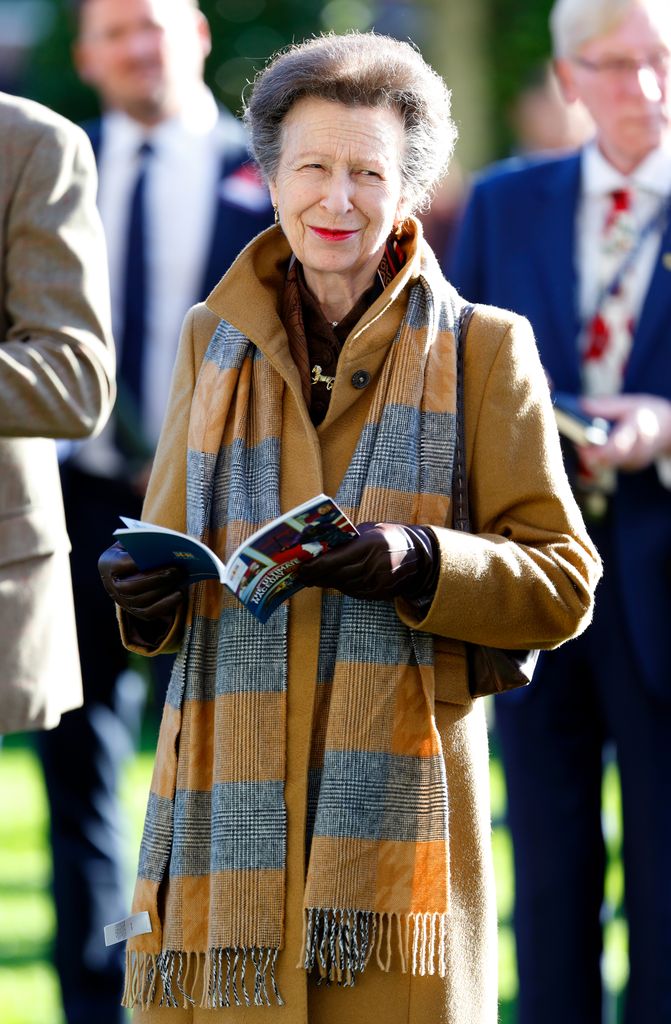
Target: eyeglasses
621	67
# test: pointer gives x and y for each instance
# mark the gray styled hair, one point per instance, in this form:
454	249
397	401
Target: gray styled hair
574	22
358	69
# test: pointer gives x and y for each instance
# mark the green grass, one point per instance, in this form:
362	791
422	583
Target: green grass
615	959
28	985
29	992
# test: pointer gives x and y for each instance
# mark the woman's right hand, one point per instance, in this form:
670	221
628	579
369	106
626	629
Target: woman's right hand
149	595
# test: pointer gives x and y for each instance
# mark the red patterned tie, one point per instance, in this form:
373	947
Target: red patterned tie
608	336
609	333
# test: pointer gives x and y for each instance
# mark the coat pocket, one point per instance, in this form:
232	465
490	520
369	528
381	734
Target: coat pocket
451	671
31	533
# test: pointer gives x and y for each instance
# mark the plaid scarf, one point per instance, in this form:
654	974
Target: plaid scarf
215	834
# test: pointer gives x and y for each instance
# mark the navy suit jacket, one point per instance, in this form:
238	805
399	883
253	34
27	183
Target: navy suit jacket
516	249
241	208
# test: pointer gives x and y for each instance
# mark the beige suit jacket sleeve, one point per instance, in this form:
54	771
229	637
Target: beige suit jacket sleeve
56	349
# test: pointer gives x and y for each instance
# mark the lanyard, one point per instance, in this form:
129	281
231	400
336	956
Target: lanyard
657	222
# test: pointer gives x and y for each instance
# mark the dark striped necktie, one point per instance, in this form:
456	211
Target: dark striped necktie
135	287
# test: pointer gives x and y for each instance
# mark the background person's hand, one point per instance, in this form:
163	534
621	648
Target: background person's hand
385	561
154	594
641	431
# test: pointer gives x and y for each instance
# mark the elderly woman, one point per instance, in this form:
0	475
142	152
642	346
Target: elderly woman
317	838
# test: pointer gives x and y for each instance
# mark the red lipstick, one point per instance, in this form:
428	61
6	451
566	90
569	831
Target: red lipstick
334	234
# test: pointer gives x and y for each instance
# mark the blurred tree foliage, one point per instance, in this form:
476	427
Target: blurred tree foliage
518	43
246	32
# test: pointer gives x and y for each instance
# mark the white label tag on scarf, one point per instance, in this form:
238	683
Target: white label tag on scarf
136	924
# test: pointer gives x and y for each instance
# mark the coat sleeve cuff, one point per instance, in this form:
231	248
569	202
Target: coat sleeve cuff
135	640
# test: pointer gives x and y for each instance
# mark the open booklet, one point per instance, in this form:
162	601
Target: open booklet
261	572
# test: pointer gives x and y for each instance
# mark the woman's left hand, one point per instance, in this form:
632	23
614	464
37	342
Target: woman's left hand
385	561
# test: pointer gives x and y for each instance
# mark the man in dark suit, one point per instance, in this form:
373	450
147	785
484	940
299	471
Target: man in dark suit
582	246
178	200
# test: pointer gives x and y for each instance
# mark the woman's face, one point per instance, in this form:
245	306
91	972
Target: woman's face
338	187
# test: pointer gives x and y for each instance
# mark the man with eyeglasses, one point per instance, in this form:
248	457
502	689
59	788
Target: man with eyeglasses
581	245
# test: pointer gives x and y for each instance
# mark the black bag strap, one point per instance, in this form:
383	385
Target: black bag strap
461	517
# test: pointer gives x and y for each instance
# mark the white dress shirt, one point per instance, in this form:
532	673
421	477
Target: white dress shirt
650	185
181	199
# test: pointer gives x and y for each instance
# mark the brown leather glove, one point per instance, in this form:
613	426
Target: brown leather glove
385	561
150	595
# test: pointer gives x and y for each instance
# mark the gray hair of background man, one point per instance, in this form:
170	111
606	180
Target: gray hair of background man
358	69
574	22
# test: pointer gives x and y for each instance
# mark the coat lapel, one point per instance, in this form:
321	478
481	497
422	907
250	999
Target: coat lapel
242	207
554	243
653	324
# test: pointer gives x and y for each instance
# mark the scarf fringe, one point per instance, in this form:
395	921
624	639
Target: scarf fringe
339	943
242	975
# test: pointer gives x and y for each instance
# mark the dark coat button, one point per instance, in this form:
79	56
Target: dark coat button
361	379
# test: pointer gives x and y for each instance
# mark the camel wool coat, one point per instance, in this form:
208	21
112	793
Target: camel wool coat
525	578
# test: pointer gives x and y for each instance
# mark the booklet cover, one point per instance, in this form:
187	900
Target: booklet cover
262	571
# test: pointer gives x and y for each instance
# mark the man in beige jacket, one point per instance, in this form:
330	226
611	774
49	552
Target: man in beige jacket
56	381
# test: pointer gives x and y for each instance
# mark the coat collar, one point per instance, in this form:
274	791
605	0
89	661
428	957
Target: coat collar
249	296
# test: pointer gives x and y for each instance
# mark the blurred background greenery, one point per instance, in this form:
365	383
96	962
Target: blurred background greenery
485	49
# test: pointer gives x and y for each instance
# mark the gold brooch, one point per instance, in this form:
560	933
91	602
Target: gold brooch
319	377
